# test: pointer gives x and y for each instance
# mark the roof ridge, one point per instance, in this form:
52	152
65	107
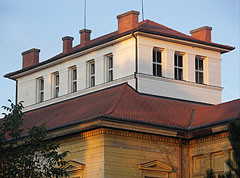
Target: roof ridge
118	101
169	28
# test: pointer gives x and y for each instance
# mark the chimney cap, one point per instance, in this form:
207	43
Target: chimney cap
85	30
30	51
67	38
127	13
200	29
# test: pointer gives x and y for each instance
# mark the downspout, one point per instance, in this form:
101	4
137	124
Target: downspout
136	61
180	158
16	94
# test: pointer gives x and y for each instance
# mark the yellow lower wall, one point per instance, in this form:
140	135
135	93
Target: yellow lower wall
109	153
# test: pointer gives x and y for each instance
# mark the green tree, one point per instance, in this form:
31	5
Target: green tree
32	156
234	138
234	165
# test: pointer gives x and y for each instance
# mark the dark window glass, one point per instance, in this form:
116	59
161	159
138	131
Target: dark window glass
154	69
74	73
196	64
110	76
41	97
178	67
180	74
200	64
200	77
175	60
74	86
180	61
110	63
57	92
175	73
92	68
92	82
158	56
57	79
159	70
199	70
196	77
157	63
154	56
41	84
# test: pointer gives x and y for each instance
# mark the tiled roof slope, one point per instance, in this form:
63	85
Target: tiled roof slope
146	26
216	113
125	103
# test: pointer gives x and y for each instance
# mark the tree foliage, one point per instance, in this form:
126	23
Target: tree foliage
234	138
32	156
233	164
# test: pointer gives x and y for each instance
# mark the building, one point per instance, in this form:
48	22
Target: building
143	101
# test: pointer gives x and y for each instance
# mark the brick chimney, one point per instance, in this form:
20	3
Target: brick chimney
84	37
67	43
127	21
30	57
202	33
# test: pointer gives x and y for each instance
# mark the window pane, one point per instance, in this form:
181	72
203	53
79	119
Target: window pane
159	72
74	86
175	73
175	60
180	74
196	64
200	64
92	68
92	84
110	62
74	73
180	61
57	79
41	96
158	56
154	69
200	77
196	77
41	84
56	92
110	76
154	56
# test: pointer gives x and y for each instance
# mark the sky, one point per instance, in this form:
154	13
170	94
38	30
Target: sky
26	24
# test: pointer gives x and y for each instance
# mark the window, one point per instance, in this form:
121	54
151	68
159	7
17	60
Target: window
157	63
109	67
199	69
40	86
178	66
56	85
73	79
91	75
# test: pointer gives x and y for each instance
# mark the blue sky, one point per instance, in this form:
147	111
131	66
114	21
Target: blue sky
41	24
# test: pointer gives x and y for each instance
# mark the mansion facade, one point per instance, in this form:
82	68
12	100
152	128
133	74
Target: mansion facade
143	101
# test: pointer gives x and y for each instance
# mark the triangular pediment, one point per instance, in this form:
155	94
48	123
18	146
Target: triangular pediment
155	166
74	165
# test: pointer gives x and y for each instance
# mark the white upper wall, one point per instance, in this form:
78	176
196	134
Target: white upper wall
188	89
123	66
123	53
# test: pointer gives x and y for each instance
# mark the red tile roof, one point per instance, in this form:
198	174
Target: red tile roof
124	102
146	26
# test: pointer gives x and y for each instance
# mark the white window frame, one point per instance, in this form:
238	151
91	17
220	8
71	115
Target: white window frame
109	68
40	89
73	79
55	84
199	70
178	67
91	80
157	62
